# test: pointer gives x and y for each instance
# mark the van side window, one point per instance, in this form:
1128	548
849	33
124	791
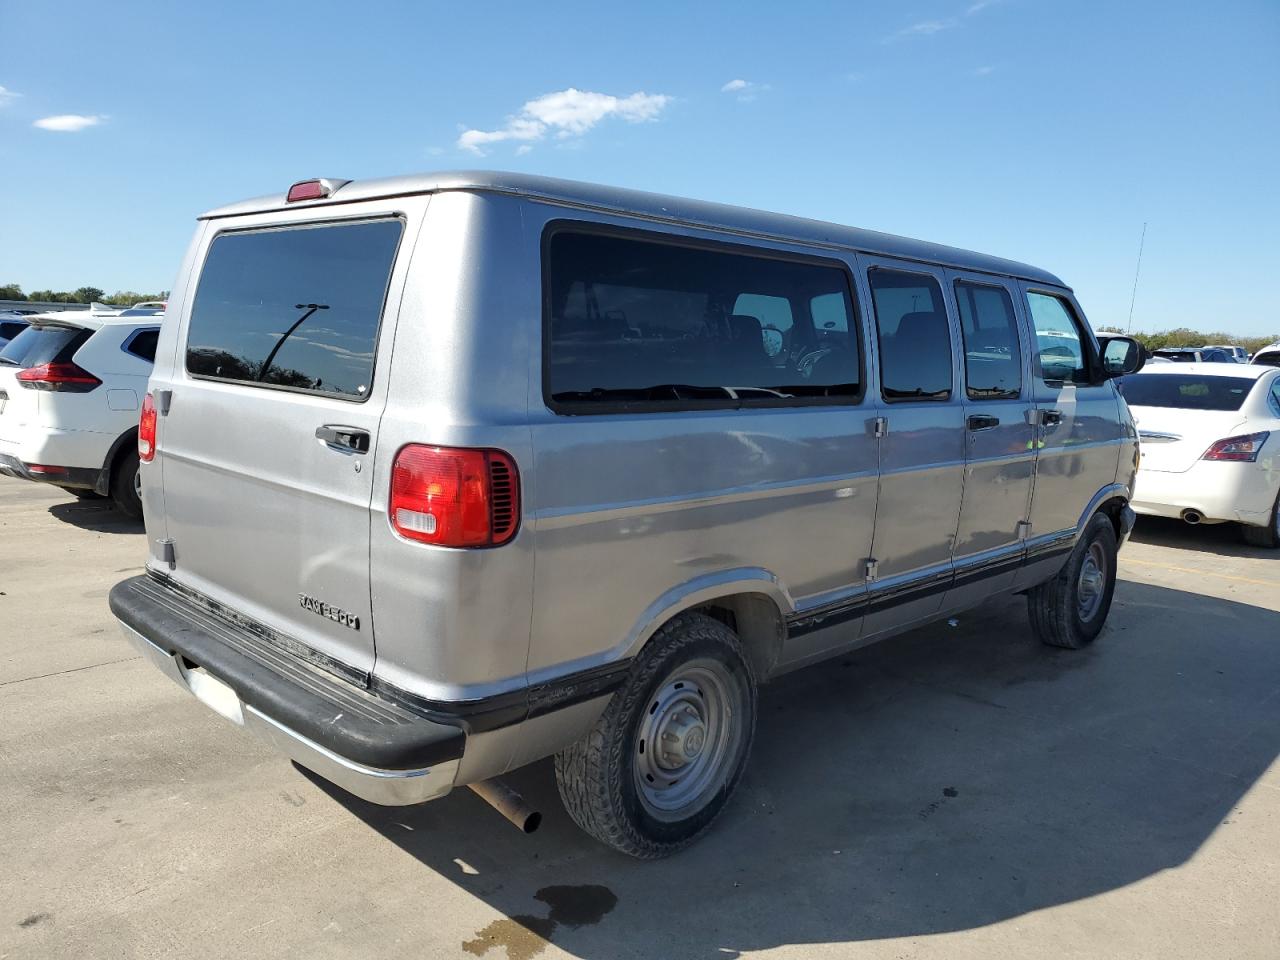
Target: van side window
915	338
296	308
992	356
642	322
1060	346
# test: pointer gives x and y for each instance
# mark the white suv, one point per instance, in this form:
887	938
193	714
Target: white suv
71	386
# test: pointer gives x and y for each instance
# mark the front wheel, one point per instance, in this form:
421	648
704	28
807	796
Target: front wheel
1268	536
665	756
1071	609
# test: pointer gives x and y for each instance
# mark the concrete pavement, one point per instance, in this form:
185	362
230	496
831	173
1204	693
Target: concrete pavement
958	792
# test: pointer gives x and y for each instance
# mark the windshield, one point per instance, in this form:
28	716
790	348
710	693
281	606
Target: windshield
1187	392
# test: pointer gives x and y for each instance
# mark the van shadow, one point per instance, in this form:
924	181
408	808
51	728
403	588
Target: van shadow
98	516
951	778
1222	539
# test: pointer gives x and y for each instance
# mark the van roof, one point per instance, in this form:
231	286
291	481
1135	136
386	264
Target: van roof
652	206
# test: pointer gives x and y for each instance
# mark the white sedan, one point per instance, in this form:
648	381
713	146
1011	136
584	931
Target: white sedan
1210	442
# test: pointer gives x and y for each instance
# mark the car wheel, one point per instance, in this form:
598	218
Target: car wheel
1071	609
83	493
665	756
126	485
1268	536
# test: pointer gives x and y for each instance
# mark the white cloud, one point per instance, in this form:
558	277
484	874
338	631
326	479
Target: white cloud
69	122
983	71
7	96
746	90
566	113
927	28
523	149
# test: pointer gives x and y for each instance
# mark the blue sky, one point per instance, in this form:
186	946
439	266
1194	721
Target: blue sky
1046	132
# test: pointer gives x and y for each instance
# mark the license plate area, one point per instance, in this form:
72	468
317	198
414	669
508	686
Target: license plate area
213	693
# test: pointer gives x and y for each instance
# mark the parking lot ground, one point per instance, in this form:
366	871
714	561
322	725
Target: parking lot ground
958	792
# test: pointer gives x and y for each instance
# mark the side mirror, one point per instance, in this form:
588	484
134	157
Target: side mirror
1121	356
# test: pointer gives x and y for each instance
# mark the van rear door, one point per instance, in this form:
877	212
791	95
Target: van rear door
277	385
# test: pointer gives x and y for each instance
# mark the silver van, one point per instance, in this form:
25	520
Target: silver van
445	474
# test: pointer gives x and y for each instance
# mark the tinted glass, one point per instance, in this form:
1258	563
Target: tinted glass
915	338
634	321
1187	391
296	308
1270	358
37	345
1060	349
143	344
11	328
992	356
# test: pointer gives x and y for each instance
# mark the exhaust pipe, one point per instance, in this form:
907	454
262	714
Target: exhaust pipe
1192	516
508	803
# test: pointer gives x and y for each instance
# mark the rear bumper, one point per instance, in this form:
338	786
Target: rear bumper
11	466
369	746
1243	492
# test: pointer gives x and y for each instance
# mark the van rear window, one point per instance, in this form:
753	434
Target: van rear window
295	308
641	322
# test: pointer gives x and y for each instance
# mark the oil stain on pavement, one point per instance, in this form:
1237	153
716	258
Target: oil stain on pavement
526	936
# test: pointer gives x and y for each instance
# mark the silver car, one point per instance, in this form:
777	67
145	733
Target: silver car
445	474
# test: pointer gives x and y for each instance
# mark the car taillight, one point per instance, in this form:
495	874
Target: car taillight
1242	449
454	498
147	430
64	377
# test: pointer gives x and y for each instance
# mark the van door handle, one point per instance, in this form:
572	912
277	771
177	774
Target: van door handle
1051	418
347	438
982	421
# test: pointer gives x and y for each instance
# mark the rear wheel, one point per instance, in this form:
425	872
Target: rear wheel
83	493
126	485
1071	609
1268	536
665	756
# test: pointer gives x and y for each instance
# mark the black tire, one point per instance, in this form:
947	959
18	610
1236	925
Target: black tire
599	776
124	487
1063	612
83	493
1268	536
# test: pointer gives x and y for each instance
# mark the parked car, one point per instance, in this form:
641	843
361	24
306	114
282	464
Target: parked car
1210	435
148	308
1234	354
1268	356
11	324
732	443
1193	354
71	387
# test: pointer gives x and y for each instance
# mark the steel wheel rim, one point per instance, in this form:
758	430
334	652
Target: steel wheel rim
687	739
1091	586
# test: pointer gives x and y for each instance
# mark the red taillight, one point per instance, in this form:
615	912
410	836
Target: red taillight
307	190
58	376
147	430
1242	449
454	498
44	470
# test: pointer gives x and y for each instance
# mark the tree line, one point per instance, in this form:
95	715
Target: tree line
1186	337
121	298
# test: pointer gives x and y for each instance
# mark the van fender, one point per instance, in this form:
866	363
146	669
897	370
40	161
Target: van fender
102	486
1113	491
704	589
